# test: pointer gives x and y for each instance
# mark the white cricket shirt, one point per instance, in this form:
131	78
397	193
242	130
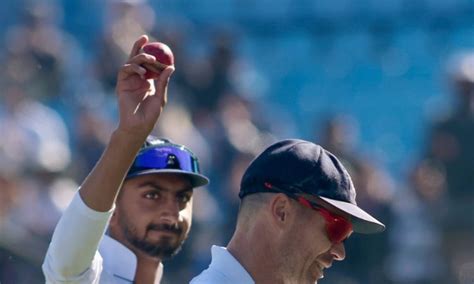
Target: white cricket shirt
80	253
224	269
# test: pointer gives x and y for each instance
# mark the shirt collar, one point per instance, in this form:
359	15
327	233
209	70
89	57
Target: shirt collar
224	261
120	261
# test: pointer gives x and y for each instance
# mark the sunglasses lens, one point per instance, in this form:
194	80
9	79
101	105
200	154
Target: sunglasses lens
338	228
165	157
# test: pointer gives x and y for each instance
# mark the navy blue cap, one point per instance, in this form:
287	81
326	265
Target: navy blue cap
306	167
158	156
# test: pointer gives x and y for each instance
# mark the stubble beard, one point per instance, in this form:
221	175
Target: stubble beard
164	248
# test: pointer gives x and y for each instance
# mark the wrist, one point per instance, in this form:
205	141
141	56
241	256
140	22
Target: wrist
127	139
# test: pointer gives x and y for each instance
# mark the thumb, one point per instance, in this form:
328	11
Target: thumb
161	85
163	79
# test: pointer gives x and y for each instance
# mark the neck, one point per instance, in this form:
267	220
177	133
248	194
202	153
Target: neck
148	270
260	261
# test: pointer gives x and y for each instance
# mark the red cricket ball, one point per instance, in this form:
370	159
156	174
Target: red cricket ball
164	57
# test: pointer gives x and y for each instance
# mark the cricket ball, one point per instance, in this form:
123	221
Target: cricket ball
164	58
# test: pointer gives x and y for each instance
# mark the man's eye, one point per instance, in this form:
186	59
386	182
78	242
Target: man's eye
184	198
152	195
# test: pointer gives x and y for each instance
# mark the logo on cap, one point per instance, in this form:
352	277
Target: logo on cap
172	162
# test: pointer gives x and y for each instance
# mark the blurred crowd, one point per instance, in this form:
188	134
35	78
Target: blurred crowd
57	110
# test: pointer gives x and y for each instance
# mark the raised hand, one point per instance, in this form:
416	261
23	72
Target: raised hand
140	101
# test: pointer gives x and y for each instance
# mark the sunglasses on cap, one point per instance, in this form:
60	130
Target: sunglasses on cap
165	156
338	228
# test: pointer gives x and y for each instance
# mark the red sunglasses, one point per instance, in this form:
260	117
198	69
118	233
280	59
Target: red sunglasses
338	228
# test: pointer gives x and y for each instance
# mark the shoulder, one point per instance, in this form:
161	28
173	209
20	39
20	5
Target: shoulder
224	269
210	276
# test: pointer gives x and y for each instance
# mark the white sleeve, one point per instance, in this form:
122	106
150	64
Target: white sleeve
72	255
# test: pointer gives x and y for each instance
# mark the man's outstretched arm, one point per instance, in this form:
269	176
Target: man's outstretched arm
139	110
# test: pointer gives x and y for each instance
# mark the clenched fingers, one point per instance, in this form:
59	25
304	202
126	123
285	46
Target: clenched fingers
133	66
141	41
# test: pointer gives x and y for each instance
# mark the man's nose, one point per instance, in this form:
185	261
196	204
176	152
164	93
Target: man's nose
169	211
338	251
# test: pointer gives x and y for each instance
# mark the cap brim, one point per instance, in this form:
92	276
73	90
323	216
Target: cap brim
362	222
197	180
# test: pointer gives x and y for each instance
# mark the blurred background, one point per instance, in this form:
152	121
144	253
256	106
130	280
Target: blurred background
388	86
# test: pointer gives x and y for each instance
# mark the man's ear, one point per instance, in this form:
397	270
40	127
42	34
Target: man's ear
280	209
115	215
114	218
